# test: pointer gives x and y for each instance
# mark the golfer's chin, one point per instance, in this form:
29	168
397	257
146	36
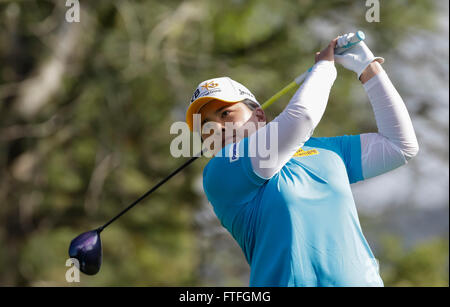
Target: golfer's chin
225	142
232	139
229	140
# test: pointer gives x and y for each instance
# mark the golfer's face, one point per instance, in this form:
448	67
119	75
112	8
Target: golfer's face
217	113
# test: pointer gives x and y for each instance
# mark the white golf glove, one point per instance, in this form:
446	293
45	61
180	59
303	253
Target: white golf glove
357	57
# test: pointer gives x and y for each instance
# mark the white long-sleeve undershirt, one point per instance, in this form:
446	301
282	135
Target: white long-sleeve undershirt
393	145
297	121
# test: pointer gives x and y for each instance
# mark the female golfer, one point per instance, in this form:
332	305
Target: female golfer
295	217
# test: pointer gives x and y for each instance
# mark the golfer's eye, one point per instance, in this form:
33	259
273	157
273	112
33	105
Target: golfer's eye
225	113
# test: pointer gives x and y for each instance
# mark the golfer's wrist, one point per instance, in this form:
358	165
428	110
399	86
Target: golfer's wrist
371	71
323	63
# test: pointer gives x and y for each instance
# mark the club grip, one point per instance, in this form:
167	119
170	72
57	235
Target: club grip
351	41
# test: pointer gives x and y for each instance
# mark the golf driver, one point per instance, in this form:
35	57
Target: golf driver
87	247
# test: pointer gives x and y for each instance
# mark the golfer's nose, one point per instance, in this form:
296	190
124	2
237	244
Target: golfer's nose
219	127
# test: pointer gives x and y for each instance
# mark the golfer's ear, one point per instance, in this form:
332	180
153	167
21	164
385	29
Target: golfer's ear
260	115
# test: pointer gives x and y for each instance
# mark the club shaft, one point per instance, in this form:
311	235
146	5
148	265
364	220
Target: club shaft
149	192
265	105
277	96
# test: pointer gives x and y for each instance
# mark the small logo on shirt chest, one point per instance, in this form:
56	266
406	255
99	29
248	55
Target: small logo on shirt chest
302	153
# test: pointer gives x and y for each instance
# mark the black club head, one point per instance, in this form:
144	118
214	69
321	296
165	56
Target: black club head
87	249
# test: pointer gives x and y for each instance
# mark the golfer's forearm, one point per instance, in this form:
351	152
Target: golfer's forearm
311	98
391	115
296	123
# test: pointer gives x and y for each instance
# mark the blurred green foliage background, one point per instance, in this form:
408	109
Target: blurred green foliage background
85	114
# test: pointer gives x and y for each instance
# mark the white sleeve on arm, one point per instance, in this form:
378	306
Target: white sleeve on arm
297	121
395	143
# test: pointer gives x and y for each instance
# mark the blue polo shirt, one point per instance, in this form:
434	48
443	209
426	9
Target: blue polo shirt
300	227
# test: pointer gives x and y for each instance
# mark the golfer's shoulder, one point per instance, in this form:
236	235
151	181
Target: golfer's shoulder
216	167
227	159
226	182
321	142
219	165
332	141
232	170
343	145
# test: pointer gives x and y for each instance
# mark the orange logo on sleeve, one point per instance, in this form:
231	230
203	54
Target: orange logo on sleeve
301	153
